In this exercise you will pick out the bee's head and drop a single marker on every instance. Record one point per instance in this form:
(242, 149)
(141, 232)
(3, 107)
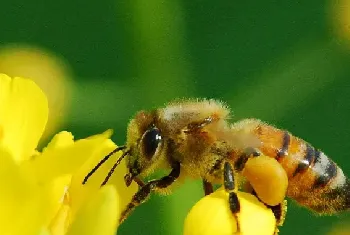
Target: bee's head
(145, 144)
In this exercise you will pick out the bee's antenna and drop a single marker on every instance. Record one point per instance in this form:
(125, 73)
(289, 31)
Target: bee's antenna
(103, 161)
(113, 168)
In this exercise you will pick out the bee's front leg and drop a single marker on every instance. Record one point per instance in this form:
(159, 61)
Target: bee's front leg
(143, 194)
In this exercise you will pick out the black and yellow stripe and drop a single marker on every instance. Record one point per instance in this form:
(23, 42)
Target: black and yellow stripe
(315, 181)
(283, 151)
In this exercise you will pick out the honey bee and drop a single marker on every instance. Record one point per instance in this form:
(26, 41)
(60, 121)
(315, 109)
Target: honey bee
(194, 138)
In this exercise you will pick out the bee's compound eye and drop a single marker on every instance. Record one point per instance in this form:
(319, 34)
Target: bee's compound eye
(151, 140)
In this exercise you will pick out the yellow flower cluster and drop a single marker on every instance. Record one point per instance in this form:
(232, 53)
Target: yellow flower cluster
(42, 192)
(211, 215)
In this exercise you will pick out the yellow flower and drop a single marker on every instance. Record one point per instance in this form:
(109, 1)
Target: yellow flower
(41, 193)
(49, 71)
(212, 215)
(341, 228)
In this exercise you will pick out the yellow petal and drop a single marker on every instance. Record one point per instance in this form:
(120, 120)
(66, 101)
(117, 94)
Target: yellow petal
(63, 156)
(211, 215)
(98, 216)
(61, 221)
(79, 192)
(57, 191)
(44, 231)
(24, 112)
(49, 71)
(60, 140)
(23, 205)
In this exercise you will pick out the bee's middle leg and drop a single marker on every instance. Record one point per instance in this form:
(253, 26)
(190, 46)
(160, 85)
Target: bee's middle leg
(231, 187)
(244, 157)
(144, 192)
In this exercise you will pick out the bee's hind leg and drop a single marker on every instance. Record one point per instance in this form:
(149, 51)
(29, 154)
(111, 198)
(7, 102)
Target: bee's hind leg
(279, 211)
(231, 187)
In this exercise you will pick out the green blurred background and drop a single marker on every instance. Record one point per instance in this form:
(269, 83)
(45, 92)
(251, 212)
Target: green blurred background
(286, 62)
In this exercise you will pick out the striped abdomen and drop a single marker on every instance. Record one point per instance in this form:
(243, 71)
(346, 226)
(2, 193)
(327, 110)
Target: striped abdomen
(315, 181)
